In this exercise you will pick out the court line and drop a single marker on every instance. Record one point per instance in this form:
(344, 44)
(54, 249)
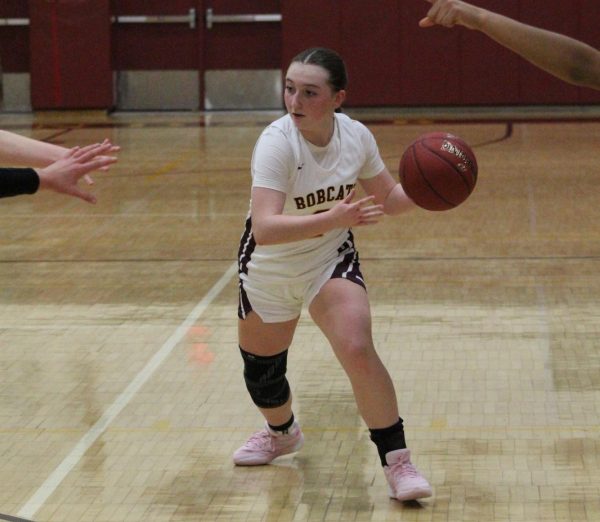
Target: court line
(48, 139)
(399, 259)
(38, 499)
(12, 519)
(316, 429)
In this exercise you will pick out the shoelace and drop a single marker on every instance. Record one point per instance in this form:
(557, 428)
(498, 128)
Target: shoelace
(260, 439)
(405, 468)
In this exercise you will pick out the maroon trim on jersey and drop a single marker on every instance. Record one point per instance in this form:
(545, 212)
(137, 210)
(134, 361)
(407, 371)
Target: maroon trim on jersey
(247, 246)
(349, 267)
(244, 306)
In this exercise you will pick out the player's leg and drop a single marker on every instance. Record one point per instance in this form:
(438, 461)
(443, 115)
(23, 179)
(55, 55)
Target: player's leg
(264, 351)
(263, 346)
(341, 310)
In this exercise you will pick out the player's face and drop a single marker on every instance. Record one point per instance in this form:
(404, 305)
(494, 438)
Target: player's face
(309, 98)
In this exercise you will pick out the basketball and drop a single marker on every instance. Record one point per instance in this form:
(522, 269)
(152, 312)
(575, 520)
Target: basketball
(438, 171)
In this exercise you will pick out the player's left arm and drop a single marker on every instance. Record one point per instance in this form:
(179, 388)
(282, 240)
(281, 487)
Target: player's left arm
(388, 193)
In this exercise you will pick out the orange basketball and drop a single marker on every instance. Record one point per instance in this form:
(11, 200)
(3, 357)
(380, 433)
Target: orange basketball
(438, 171)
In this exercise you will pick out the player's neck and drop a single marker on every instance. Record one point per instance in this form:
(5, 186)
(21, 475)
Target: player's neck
(321, 136)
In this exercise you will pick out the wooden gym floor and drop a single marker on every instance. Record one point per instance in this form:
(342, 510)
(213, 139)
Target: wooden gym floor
(121, 392)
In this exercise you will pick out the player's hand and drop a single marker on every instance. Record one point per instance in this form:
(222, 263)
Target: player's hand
(449, 13)
(113, 149)
(355, 214)
(63, 175)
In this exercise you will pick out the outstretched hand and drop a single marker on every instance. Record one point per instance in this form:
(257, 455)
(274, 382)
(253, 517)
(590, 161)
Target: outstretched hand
(63, 175)
(113, 149)
(361, 212)
(449, 13)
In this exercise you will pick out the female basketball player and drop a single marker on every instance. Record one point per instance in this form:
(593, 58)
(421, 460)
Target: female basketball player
(298, 248)
(57, 168)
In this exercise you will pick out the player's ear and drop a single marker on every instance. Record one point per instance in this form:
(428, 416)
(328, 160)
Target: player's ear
(339, 98)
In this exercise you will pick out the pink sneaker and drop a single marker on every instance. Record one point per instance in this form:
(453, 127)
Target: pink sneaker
(406, 483)
(266, 445)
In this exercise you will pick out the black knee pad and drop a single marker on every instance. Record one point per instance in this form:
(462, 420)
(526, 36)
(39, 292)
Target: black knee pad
(265, 379)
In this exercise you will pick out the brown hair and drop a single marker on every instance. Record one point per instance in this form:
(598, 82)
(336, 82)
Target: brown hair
(330, 61)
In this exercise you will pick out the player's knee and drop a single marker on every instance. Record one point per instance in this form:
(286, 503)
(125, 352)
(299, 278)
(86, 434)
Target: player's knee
(357, 346)
(357, 356)
(265, 379)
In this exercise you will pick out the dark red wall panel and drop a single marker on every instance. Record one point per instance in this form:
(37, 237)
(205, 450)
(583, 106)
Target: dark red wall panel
(14, 41)
(14, 49)
(429, 59)
(392, 61)
(153, 46)
(70, 54)
(71, 48)
(227, 7)
(370, 43)
(366, 38)
(255, 45)
(589, 32)
(489, 72)
(151, 7)
(14, 9)
(179, 47)
(310, 23)
(252, 46)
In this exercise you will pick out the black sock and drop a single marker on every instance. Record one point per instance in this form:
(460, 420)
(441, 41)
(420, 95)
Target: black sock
(388, 439)
(284, 427)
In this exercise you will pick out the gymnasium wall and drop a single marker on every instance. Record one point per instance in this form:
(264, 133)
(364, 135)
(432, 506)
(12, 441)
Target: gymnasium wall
(392, 61)
(14, 57)
(72, 54)
(69, 57)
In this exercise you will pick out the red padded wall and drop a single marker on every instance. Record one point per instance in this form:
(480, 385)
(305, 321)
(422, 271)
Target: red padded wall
(310, 23)
(490, 73)
(178, 47)
(14, 41)
(70, 54)
(245, 45)
(392, 61)
(368, 40)
(429, 59)
(156, 46)
(370, 43)
(589, 31)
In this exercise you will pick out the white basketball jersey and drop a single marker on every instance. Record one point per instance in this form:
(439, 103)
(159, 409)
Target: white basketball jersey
(314, 179)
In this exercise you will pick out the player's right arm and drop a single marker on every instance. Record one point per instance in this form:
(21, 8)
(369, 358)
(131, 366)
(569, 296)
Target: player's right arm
(270, 226)
(387, 191)
(60, 176)
(564, 57)
(21, 150)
